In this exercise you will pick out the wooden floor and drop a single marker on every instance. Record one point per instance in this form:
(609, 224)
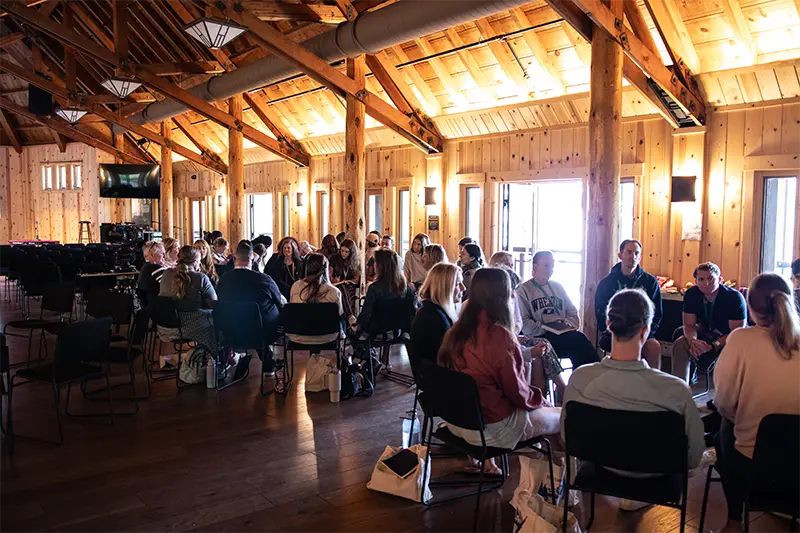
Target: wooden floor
(234, 461)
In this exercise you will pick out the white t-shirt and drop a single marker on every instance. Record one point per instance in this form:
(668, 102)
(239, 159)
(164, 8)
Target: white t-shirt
(327, 294)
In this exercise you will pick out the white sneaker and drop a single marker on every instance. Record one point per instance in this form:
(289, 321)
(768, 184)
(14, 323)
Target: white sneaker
(632, 505)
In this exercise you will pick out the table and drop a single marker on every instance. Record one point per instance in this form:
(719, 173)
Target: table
(30, 241)
(132, 273)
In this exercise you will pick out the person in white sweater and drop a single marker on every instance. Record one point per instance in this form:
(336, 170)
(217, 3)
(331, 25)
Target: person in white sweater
(542, 300)
(315, 288)
(756, 375)
(413, 267)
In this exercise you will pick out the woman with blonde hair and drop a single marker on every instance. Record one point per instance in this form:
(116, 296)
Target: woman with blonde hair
(207, 266)
(413, 267)
(433, 255)
(171, 249)
(756, 375)
(439, 294)
(147, 285)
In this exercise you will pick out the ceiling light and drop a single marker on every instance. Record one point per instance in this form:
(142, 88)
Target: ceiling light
(70, 114)
(120, 87)
(214, 33)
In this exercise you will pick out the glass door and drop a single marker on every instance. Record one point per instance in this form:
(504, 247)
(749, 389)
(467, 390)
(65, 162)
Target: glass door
(198, 211)
(778, 224)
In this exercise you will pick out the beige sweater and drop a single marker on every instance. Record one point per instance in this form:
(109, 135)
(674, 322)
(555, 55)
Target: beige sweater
(327, 294)
(753, 380)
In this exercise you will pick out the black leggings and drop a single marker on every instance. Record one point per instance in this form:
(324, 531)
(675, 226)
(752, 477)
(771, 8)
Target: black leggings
(734, 469)
(575, 345)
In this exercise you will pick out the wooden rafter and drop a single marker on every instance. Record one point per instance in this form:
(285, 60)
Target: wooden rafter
(10, 39)
(441, 70)
(433, 106)
(8, 127)
(197, 139)
(639, 25)
(323, 73)
(258, 105)
(538, 50)
(673, 32)
(67, 130)
(347, 9)
(34, 3)
(120, 18)
(466, 57)
(275, 10)
(738, 22)
(503, 56)
(184, 67)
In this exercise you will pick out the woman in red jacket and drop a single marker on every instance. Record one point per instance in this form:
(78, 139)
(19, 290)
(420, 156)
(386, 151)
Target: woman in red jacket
(482, 344)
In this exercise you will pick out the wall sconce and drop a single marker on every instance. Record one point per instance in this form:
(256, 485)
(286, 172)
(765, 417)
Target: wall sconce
(219, 201)
(430, 195)
(683, 188)
(301, 200)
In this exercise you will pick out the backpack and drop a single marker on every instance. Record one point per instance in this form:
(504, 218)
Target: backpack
(355, 382)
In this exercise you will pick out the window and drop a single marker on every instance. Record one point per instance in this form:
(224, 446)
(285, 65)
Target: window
(374, 211)
(285, 214)
(262, 215)
(627, 198)
(47, 177)
(198, 219)
(77, 175)
(62, 171)
(403, 221)
(62, 176)
(324, 214)
(778, 223)
(472, 225)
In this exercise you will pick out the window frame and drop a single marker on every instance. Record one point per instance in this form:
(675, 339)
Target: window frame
(404, 228)
(464, 203)
(56, 182)
(367, 194)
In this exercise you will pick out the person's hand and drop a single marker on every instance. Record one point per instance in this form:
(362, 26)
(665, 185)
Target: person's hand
(698, 347)
(351, 320)
(538, 350)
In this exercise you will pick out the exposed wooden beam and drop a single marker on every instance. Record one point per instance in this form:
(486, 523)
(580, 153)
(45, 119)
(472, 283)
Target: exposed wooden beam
(197, 139)
(10, 39)
(639, 25)
(235, 182)
(319, 70)
(70, 66)
(538, 49)
(738, 22)
(120, 16)
(93, 28)
(132, 98)
(258, 104)
(274, 10)
(61, 142)
(466, 57)
(503, 56)
(184, 67)
(673, 32)
(5, 121)
(355, 162)
(430, 101)
(34, 3)
(347, 9)
(68, 130)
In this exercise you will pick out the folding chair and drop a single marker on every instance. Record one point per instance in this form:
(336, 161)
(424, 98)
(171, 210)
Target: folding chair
(390, 326)
(239, 328)
(164, 314)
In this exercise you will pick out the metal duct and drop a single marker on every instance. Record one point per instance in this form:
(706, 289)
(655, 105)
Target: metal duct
(369, 33)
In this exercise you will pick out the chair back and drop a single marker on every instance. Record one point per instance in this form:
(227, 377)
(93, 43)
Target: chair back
(139, 328)
(310, 319)
(774, 483)
(58, 297)
(163, 312)
(450, 395)
(239, 325)
(652, 442)
(392, 314)
(82, 341)
(223, 269)
(117, 305)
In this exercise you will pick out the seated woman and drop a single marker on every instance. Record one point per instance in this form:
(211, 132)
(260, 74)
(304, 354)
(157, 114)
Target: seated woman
(439, 294)
(149, 281)
(315, 288)
(261, 256)
(171, 249)
(541, 301)
(329, 247)
(194, 296)
(623, 381)
(220, 248)
(286, 266)
(207, 266)
(413, 266)
(346, 275)
(433, 255)
(372, 244)
(389, 284)
(471, 259)
(483, 345)
(756, 375)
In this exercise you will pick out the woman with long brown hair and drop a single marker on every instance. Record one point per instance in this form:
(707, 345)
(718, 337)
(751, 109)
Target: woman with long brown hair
(329, 247)
(315, 288)
(207, 266)
(413, 267)
(756, 375)
(346, 274)
(286, 266)
(389, 284)
(483, 345)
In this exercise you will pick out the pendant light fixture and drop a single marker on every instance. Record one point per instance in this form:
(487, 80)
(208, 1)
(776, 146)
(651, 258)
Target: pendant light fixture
(120, 87)
(70, 114)
(214, 33)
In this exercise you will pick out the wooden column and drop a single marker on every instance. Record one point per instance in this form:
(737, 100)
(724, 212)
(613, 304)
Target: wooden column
(602, 192)
(118, 204)
(355, 162)
(165, 201)
(433, 178)
(235, 185)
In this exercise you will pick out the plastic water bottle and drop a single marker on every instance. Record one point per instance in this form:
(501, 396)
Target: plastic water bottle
(211, 373)
(410, 434)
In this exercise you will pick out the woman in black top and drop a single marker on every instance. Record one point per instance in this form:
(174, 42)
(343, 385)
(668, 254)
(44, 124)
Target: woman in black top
(441, 290)
(346, 274)
(286, 266)
(471, 258)
(389, 284)
(149, 283)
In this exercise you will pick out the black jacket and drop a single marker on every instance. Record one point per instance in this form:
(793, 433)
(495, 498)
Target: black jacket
(245, 285)
(379, 291)
(427, 331)
(615, 282)
(279, 272)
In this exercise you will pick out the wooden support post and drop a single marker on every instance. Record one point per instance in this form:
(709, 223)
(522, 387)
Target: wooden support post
(118, 204)
(605, 137)
(165, 201)
(236, 200)
(355, 162)
(434, 171)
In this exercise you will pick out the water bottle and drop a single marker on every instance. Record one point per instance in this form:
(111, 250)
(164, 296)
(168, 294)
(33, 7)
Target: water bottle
(411, 429)
(211, 373)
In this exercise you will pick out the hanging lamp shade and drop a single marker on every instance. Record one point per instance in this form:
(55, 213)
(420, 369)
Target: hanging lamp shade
(214, 33)
(120, 87)
(70, 114)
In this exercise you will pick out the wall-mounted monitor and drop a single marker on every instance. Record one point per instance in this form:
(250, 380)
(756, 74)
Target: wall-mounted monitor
(130, 181)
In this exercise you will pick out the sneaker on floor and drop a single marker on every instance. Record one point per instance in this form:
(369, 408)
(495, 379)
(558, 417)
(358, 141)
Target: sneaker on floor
(632, 505)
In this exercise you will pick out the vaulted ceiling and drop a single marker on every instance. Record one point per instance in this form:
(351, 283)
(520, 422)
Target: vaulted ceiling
(518, 69)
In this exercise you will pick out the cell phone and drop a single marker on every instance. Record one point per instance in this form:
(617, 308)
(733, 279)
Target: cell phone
(402, 463)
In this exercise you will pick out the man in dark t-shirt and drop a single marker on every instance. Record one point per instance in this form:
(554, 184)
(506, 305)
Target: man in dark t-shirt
(710, 312)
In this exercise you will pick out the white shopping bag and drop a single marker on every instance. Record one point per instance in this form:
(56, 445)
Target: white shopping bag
(533, 513)
(410, 486)
(317, 370)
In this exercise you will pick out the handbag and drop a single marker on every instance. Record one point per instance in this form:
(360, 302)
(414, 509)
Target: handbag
(534, 514)
(355, 382)
(193, 367)
(317, 370)
(411, 487)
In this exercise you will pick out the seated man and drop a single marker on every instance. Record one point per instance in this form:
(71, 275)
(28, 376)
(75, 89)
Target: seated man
(710, 312)
(242, 284)
(628, 274)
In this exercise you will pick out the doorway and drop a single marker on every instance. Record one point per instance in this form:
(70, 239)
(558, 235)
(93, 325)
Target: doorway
(198, 208)
(262, 215)
(545, 216)
(780, 201)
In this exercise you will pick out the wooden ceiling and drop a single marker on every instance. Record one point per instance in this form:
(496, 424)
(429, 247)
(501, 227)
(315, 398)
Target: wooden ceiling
(744, 51)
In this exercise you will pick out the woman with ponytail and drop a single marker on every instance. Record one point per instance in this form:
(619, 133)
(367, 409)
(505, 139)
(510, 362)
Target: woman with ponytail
(315, 288)
(756, 375)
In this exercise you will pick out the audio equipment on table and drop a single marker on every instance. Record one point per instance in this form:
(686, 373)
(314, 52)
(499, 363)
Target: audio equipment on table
(125, 233)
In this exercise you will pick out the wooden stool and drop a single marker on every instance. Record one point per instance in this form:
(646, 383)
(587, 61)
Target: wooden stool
(85, 231)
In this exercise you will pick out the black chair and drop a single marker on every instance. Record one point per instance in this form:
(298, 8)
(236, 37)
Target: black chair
(164, 314)
(76, 342)
(643, 442)
(239, 328)
(309, 319)
(453, 396)
(117, 305)
(5, 369)
(773, 484)
(34, 278)
(56, 298)
(390, 325)
(706, 369)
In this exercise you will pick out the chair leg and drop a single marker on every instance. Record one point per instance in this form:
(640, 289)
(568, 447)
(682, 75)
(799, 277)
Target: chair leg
(478, 498)
(413, 415)
(705, 498)
(746, 517)
(591, 513)
(683, 513)
(566, 498)
(552, 477)
(56, 400)
(110, 400)
(426, 473)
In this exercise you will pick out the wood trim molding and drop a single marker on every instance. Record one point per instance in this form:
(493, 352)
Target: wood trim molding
(626, 171)
(772, 162)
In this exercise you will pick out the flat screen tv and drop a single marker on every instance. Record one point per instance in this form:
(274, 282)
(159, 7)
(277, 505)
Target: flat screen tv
(130, 181)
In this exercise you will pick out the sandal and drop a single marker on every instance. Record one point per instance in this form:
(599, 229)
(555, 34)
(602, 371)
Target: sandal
(476, 470)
